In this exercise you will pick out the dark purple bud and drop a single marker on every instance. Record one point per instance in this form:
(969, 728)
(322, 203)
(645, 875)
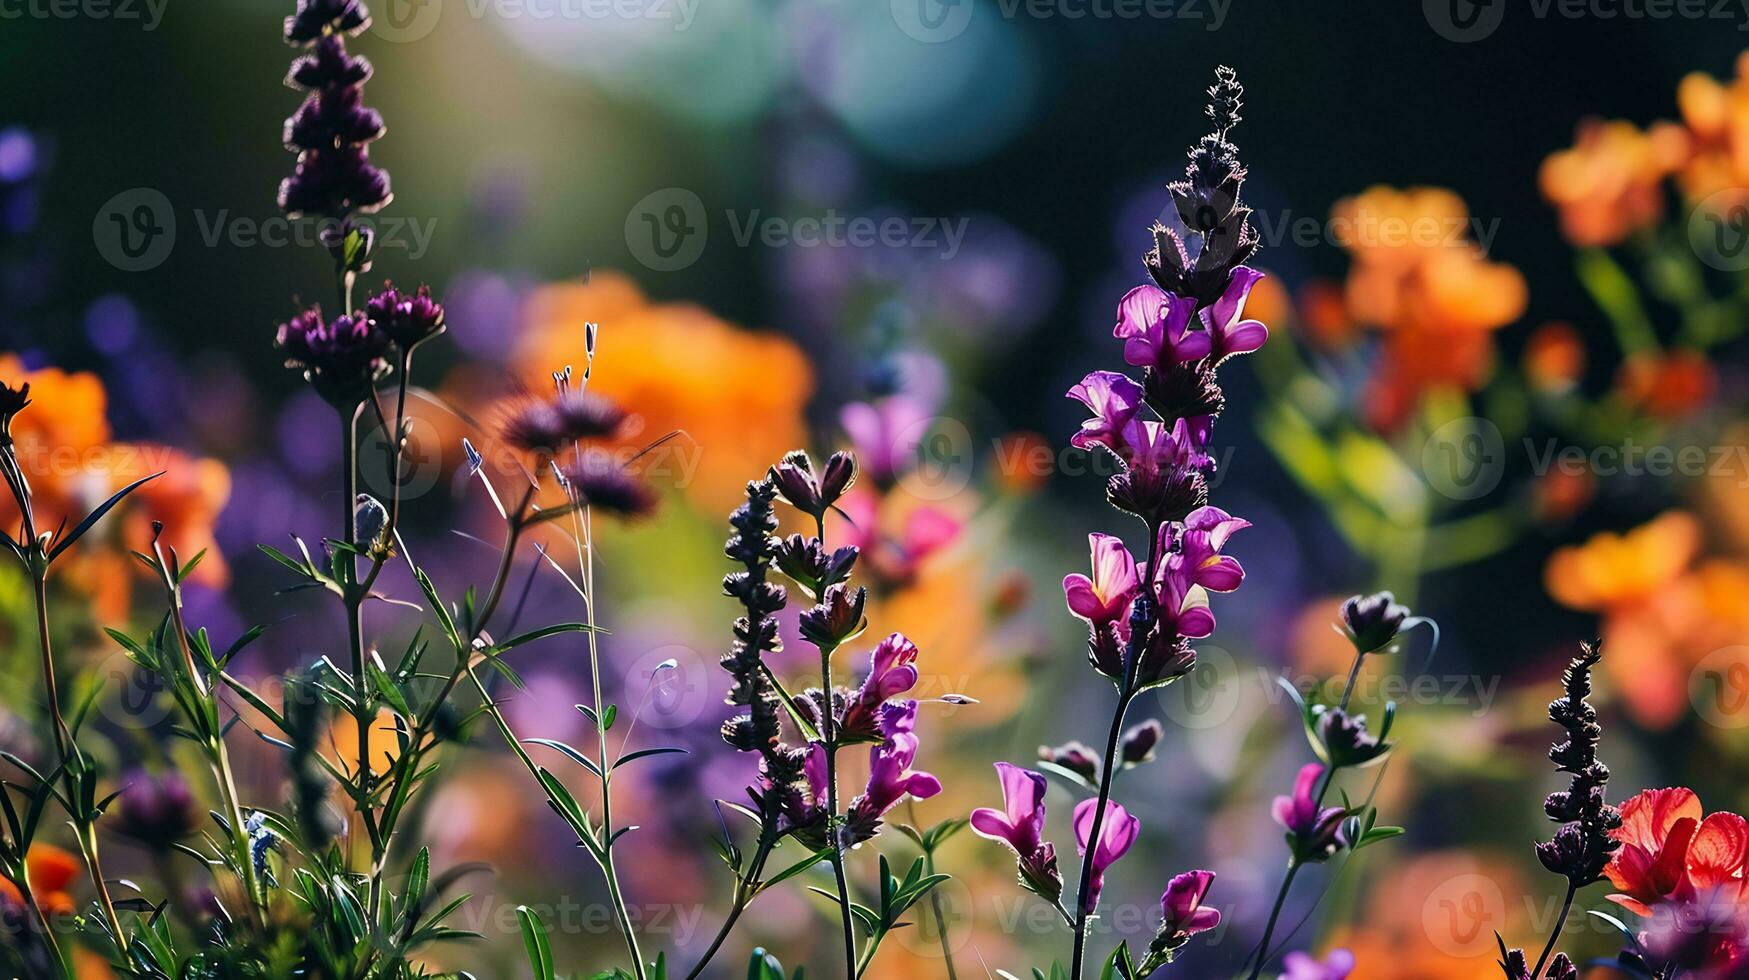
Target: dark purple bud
(342, 360)
(408, 319)
(1139, 742)
(598, 482)
(328, 66)
(1073, 756)
(794, 480)
(157, 811)
(1346, 739)
(804, 560)
(319, 18)
(1373, 621)
(12, 401)
(839, 476)
(334, 183)
(552, 425)
(837, 618)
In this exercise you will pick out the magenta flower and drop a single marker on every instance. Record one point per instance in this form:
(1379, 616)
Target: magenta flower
(1228, 334)
(885, 434)
(1020, 824)
(1155, 327)
(1205, 533)
(1182, 914)
(1116, 834)
(1154, 449)
(890, 776)
(1114, 399)
(1313, 828)
(1336, 966)
(1104, 598)
(892, 671)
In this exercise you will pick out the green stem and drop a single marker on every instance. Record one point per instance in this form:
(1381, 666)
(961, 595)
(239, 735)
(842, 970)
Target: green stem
(829, 739)
(1555, 936)
(1105, 776)
(745, 891)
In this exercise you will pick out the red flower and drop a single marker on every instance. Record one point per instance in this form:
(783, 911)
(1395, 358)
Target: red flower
(1670, 852)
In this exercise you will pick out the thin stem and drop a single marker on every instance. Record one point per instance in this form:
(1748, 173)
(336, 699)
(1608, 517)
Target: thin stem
(48, 928)
(940, 920)
(1287, 882)
(745, 891)
(1555, 936)
(829, 738)
(66, 750)
(1105, 777)
(1139, 630)
(586, 544)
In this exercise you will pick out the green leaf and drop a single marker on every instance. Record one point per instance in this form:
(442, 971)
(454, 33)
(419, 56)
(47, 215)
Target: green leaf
(567, 751)
(643, 753)
(534, 940)
(97, 515)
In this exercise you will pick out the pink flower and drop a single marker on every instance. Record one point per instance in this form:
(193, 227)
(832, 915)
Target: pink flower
(1182, 913)
(885, 433)
(890, 776)
(1117, 833)
(1314, 828)
(1155, 327)
(1228, 334)
(892, 671)
(1106, 596)
(1020, 824)
(1206, 531)
(1336, 966)
(1113, 399)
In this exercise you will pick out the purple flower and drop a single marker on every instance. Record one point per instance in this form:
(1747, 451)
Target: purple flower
(885, 434)
(1335, 966)
(890, 776)
(1114, 400)
(1204, 534)
(408, 319)
(1182, 913)
(157, 811)
(598, 482)
(1228, 334)
(1155, 327)
(551, 425)
(1314, 828)
(892, 671)
(1151, 448)
(341, 359)
(1117, 832)
(1105, 597)
(319, 18)
(1020, 824)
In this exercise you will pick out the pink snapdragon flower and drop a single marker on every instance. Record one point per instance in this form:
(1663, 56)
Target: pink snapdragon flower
(890, 776)
(1105, 597)
(1228, 333)
(892, 671)
(1020, 824)
(1313, 827)
(1114, 399)
(1116, 835)
(1155, 328)
(1204, 534)
(1182, 914)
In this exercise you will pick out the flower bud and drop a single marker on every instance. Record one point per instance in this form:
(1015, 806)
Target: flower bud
(1073, 756)
(1372, 622)
(1139, 742)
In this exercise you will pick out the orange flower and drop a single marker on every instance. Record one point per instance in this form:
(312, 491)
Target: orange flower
(1608, 184)
(1554, 357)
(51, 871)
(1670, 386)
(737, 395)
(1419, 278)
(1324, 318)
(1669, 852)
(1611, 571)
(385, 744)
(1661, 618)
(1717, 117)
